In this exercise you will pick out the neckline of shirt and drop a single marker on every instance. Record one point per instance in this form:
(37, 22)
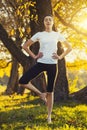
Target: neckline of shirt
(49, 32)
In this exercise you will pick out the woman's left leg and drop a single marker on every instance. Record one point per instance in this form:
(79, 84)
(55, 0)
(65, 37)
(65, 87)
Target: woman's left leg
(50, 101)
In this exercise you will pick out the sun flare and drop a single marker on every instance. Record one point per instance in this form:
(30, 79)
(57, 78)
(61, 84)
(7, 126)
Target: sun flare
(83, 24)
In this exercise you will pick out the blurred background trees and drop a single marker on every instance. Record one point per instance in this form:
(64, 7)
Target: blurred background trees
(21, 19)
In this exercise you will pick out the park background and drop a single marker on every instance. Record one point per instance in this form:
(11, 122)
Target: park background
(21, 109)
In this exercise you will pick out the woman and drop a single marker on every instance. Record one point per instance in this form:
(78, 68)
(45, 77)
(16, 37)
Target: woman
(47, 59)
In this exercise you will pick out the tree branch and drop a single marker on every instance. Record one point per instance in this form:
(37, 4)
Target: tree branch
(12, 47)
(2, 67)
(69, 25)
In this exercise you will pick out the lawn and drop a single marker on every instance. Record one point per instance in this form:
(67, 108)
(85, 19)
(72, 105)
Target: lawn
(29, 113)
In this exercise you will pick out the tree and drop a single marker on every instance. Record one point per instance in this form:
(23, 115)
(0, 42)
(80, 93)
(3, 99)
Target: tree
(80, 96)
(39, 11)
(12, 85)
(40, 19)
(61, 89)
(12, 9)
(36, 24)
(9, 44)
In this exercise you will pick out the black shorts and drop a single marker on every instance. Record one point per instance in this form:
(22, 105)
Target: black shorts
(51, 71)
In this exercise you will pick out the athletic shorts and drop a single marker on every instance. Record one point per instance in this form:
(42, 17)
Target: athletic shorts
(51, 71)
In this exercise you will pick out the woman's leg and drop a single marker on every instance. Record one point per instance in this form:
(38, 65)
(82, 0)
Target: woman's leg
(51, 76)
(28, 76)
(31, 87)
(50, 100)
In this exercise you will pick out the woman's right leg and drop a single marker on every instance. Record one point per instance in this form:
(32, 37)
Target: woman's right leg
(31, 87)
(28, 76)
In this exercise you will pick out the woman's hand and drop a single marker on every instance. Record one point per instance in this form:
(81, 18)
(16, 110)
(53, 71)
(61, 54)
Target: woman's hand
(39, 55)
(55, 56)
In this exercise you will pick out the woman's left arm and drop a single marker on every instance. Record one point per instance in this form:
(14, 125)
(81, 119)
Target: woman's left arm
(69, 48)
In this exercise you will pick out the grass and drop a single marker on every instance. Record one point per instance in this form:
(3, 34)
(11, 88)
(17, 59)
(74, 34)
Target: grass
(29, 113)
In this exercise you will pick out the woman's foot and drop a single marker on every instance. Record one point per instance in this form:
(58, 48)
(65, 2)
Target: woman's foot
(49, 120)
(43, 97)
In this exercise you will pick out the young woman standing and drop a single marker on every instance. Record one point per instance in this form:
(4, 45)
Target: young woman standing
(47, 60)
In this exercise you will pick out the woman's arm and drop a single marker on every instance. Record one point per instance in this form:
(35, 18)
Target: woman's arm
(69, 48)
(26, 47)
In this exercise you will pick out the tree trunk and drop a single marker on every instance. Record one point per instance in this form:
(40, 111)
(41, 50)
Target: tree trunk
(43, 8)
(61, 89)
(13, 48)
(13, 80)
(80, 95)
(12, 85)
(16, 52)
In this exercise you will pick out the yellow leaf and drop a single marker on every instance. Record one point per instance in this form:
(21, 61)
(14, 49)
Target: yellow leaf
(18, 12)
(25, 5)
(21, 34)
(1, 73)
(12, 32)
(28, 30)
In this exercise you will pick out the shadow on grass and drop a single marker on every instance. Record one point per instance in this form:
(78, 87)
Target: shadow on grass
(20, 116)
(70, 103)
(31, 113)
(27, 113)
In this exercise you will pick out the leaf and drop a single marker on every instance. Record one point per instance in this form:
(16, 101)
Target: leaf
(18, 12)
(12, 32)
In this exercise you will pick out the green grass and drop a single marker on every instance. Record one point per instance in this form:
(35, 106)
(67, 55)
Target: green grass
(29, 113)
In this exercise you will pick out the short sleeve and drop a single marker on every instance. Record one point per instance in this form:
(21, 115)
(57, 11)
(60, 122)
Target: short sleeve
(35, 37)
(61, 38)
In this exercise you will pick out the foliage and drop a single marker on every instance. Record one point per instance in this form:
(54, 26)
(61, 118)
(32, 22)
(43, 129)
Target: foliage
(6, 70)
(27, 112)
(71, 19)
(77, 73)
(72, 13)
(17, 14)
(78, 64)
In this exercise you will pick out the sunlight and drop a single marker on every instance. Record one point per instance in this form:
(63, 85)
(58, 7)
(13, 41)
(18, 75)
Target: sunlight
(82, 18)
(83, 24)
(74, 55)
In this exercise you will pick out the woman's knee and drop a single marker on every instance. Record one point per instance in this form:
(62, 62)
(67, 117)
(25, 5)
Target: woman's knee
(22, 85)
(49, 93)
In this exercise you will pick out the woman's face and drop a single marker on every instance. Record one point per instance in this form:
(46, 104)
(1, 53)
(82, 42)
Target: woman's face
(48, 22)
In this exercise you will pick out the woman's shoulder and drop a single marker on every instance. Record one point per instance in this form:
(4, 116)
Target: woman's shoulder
(56, 32)
(40, 32)
(37, 34)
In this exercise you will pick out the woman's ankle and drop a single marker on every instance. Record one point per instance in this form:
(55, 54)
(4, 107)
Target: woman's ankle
(49, 119)
(43, 97)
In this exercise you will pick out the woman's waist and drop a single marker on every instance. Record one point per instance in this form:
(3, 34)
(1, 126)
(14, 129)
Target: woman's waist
(48, 54)
(47, 59)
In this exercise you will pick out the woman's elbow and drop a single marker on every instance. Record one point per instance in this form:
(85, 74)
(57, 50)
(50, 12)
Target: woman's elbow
(27, 44)
(24, 47)
(69, 47)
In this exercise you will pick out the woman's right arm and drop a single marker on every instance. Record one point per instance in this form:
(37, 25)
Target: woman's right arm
(26, 47)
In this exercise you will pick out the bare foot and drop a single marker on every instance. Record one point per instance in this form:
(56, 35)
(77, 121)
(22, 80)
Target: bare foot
(49, 120)
(43, 97)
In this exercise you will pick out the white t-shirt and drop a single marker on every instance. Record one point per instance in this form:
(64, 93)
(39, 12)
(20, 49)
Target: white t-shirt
(48, 45)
